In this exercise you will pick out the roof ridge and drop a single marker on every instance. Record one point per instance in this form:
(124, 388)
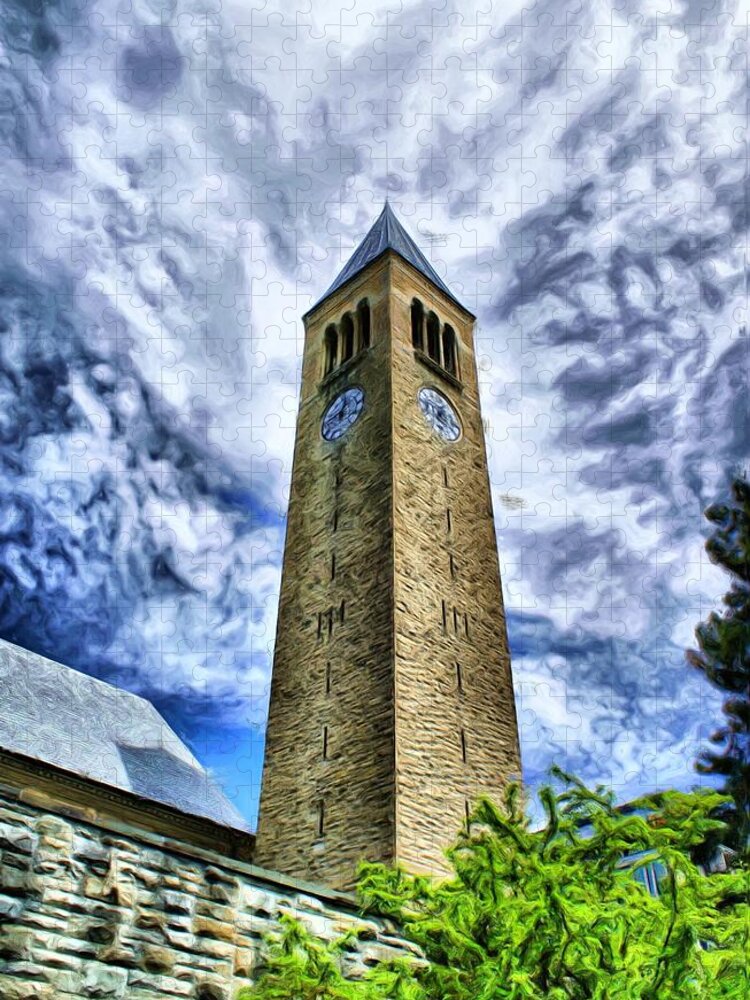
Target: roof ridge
(91, 679)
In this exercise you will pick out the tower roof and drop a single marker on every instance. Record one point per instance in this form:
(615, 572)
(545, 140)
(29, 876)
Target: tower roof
(387, 233)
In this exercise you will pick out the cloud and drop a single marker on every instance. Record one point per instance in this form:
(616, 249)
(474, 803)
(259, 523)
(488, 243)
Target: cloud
(177, 193)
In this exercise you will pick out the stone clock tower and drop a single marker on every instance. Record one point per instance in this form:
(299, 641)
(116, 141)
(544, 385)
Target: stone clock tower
(391, 700)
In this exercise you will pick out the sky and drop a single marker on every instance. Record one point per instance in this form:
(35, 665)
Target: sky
(181, 181)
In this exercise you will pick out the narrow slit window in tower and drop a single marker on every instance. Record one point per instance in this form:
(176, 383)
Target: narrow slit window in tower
(452, 563)
(466, 811)
(330, 621)
(448, 518)
(455, 620)
(463, 746)
(342, 610)
(363, 316)
(445, 616)
(459, 678)
(321, 818)
(328, 677)
(417, 325)
(347, 336)
(466, 624)
(320, 623)
(325, 743)
(333, 565)
(445, 476)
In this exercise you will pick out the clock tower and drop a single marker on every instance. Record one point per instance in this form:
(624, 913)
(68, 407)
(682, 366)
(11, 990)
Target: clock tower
(391, 699)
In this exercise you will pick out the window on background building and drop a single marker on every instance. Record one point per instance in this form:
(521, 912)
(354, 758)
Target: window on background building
(649, 874)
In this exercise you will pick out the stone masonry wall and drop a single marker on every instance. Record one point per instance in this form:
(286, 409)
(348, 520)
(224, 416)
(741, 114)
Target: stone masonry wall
(385, 726)
(336, 680)
(457, 733)
(87, 911)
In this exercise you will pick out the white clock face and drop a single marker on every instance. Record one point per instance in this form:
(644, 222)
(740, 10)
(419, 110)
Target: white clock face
(439, 414)
(342, 413)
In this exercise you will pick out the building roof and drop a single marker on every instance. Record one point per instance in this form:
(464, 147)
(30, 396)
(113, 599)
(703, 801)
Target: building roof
(62, 717)
(387, 233)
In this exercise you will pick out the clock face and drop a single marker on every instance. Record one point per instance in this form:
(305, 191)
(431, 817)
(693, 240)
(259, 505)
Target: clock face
(439, 414)
(342, 413)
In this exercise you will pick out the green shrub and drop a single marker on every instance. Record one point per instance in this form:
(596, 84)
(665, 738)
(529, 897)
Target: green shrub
(548, 914)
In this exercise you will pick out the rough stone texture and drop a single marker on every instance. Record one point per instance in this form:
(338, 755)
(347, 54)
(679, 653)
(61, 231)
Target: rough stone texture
(340, 503)
(87, 911)
(394, 783)
(434, 785)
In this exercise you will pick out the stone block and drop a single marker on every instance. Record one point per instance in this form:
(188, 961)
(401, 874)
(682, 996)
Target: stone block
(217, 929)
(212, 989)
(103, 981)
(179, 939)
(224, 893)
(16, 838)
(10, 907)
(155, 958)
(177, 902)
(245, 960)
(150, 919)
(159, 985)
(101, 931)
(13, 988)
(198, 964)
(216, 911)
(88, 849)
(54, 832)
(20, 883)
(212, 948)
(15, 943)
(119, 953)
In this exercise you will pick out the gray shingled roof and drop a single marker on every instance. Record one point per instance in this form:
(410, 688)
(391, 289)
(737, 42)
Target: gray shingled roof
(60, 716)
(387, 233)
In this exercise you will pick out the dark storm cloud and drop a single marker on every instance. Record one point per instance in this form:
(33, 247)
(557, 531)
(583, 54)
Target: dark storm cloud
(70, 577)
(149, 69)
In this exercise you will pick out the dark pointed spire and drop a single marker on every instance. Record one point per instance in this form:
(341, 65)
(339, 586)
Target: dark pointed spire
(387, 233)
